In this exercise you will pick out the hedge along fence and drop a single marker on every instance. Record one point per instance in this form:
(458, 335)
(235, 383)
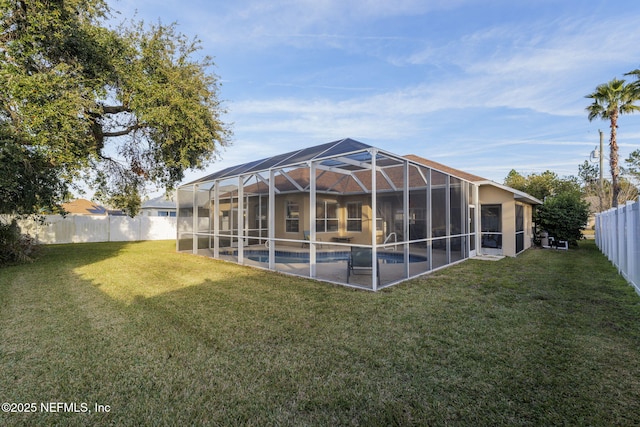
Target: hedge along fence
(618, 237)
(85, 228)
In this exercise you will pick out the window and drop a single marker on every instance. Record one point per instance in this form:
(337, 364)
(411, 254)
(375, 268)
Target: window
(326, 216)
(519, 218)
(292, 219)
(260, 219)
(519, 228)
(225, 220)
(354, 216)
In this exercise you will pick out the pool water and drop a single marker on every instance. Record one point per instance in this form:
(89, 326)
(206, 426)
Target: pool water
(283, 257)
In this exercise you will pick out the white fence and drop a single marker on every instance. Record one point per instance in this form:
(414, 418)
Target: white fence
(84, 228)
(618, 237)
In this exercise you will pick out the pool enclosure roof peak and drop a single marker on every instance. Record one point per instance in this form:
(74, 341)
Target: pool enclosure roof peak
(331, 149)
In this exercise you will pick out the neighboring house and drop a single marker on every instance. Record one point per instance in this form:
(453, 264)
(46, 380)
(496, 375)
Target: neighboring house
(84, 207)
(309, 211)
(159, 206)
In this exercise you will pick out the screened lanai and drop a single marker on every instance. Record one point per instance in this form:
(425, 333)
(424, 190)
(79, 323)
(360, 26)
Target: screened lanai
(342, 212)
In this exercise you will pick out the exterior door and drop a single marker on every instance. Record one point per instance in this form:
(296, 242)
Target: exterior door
(491, 228)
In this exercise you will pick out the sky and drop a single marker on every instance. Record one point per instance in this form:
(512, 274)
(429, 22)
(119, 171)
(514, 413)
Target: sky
(485, 86)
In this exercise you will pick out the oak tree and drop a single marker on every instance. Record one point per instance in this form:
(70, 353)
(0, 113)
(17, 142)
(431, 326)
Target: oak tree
(121, 107)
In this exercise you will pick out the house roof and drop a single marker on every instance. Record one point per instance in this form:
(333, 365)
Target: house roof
(160, 202)
(83, 207)
(517, 194)
(444, 168)
(344, 170)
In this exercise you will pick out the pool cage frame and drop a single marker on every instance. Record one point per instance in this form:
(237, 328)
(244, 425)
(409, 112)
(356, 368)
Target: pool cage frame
(305, 213)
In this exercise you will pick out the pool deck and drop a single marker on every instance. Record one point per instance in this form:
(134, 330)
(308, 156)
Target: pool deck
(334, 271)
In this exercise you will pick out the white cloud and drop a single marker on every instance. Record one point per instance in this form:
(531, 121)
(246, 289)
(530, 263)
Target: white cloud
(298, 22)
(540, 66)
(435, 90)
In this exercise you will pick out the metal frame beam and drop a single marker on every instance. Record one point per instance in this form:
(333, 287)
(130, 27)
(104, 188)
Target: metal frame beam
(374, 223)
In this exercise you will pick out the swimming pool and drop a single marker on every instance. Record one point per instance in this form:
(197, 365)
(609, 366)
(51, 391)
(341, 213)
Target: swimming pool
(287, 257)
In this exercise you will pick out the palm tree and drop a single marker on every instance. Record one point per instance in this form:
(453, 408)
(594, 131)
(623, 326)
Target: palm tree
(636, 84)
(609, 101)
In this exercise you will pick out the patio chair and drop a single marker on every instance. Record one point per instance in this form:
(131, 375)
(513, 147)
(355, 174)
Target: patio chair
(307, 238)
(360, 260)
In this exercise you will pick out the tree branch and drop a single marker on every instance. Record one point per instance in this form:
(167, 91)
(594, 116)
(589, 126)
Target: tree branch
(115, 109)
(122, 132)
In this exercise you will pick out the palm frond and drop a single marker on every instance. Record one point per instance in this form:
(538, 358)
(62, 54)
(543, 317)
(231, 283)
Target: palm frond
(613, 97)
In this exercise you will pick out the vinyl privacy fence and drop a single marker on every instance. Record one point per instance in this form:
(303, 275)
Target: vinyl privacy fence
(82, 228)
(618, 237)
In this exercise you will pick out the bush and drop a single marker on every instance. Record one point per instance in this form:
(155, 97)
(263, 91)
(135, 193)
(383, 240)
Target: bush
(564, 217)
(15, 247)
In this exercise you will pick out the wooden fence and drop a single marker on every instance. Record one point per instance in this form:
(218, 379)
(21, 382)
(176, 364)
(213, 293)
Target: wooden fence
(618, 237)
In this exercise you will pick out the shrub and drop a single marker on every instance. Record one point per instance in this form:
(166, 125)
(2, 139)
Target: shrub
(564, 217)
(15, 247)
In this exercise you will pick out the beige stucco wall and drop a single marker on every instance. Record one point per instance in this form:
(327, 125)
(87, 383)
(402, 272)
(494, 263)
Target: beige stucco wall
(490, 195)
(487, 195)
(363, 237)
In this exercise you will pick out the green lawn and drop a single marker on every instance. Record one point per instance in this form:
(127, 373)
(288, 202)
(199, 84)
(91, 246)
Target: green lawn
(548, 338)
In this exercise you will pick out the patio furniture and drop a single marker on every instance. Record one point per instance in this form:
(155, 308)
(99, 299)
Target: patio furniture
(342, 239)
(307, 238)
(360, 260)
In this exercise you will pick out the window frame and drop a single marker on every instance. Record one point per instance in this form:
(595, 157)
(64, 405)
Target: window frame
(519, 226)
(289, 219)
(354, 220)
(324, 220)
